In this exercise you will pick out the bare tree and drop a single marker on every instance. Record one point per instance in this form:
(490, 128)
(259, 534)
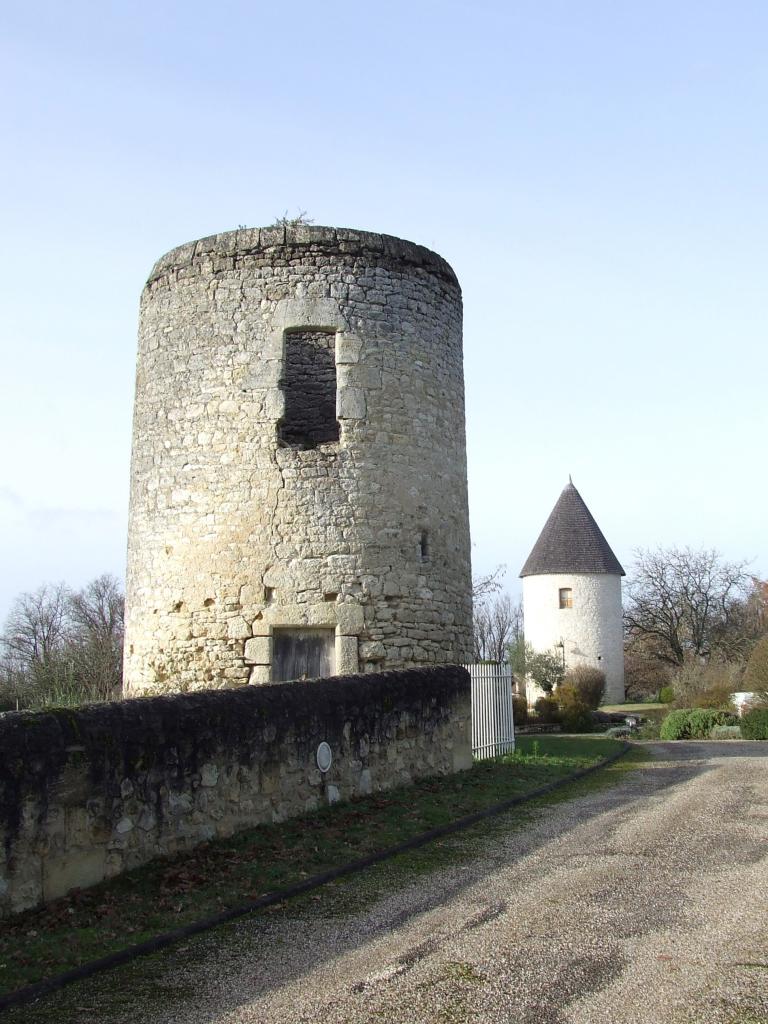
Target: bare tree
(97, 620)
(747, 622)
(490, 583)
(498, 623)
(682, 602)
(98, 610)
(36, 628)
(63, 647)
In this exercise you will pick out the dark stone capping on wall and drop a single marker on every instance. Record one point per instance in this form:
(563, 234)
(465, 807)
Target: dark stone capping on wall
(257, 241)
(89, 792)
(131, 734)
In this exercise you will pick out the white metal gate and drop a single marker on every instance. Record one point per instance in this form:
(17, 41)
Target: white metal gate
(493, 727)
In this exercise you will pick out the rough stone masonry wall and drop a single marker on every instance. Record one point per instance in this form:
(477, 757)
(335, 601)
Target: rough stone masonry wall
(233, 531)
(90, 793)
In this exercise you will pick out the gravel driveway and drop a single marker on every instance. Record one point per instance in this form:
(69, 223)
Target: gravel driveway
(644, 903)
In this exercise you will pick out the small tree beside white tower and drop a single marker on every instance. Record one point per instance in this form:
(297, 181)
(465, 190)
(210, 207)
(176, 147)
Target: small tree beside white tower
(572, 595)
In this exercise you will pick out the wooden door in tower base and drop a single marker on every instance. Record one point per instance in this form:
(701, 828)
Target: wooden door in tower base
(302, 654)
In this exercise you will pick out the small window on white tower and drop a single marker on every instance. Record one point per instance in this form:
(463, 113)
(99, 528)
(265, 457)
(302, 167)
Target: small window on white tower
(566, 597)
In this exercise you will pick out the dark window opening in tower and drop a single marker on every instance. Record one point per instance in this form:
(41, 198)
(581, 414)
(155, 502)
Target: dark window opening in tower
(424, 546)
(309, 385)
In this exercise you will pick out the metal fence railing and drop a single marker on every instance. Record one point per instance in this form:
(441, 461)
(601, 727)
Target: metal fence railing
(493, 726)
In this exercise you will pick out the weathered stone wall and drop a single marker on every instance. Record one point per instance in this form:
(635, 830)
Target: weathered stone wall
(592, 630)
(87, 794)
(234, 530)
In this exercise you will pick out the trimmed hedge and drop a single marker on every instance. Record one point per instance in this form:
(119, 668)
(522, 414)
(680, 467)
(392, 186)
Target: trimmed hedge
(754, 724)
(694, 723)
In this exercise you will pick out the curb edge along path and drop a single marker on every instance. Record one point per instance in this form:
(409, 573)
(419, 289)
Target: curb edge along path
(642, 903)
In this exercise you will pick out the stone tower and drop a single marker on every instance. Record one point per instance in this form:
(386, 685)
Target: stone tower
(298, 479)
(572, 594)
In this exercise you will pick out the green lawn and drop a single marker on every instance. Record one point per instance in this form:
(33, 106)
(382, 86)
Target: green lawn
(635, 708)
(168, 893)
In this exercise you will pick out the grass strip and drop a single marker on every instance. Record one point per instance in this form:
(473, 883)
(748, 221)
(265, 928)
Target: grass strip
(632, 709)
(258, 868)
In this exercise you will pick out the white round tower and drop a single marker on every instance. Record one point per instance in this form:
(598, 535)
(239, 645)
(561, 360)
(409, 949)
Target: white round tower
(572, 595)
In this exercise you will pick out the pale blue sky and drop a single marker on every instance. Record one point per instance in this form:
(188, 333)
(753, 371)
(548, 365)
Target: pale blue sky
(595, 173)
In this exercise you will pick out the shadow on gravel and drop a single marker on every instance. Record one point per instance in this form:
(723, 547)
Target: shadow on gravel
(268, 950)
(692, 750)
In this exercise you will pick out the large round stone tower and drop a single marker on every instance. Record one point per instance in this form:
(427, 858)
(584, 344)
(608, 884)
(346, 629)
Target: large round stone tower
(572, 594)
(298, 483)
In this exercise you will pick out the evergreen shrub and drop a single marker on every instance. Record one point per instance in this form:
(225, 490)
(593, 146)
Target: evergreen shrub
(754, 724)
(519, 709)
(674, 726)
(547, 710)
(575, 711)
(694, 723)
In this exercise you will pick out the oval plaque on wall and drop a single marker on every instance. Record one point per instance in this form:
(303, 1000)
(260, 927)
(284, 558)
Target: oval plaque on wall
(324, 757)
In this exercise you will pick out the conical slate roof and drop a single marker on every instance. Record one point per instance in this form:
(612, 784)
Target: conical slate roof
(571, 541)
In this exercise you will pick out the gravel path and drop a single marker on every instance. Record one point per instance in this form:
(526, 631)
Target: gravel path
(641, 903)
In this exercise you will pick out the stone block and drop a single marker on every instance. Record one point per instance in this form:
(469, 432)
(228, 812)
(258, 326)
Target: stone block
(274, 404)
(362, 375)
(273, 346)
(350, 618)
(348, 348)
(287, 615)
(342, 564)
(271, 236)
(372, 650)
(260, 674)
(346, 655)
(264, 373)
(350, 404)
(147, 820)
(247, 238)
(309, 311)
(276, 576)
(60, 876)
(321, 614)
(258, 650)
(250, 595)
(238, 628)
